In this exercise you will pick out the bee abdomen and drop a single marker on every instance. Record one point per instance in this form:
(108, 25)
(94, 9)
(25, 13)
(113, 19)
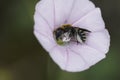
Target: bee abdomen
(83, 33)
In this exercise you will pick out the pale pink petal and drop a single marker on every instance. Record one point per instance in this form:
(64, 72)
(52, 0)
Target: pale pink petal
(68, 60)
(41, 26)
(89, 55)
(75, 62)
(43, 32)
(79, 9)
(58, 54)
(62, 11)
(92, 21)
(99, 41)
(45, 8)
(47, 42)
(76, 58)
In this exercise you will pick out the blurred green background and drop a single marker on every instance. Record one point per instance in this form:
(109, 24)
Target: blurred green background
(22, 57)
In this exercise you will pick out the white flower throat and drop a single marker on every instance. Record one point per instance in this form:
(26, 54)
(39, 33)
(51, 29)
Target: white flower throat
(67, 33)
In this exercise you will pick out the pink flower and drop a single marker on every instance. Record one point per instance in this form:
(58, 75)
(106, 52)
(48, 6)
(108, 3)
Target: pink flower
(51, 14)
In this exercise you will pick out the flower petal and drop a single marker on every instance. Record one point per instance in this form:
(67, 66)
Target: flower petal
(41, 25)
(92, 21)
(46, 10)
(99, 41)
(75, 62)
(43, 32)
(47, 42)
(58, 54)
(79, 9)
(62, 11)
(76, 58)
(89, 55)
(68, 60)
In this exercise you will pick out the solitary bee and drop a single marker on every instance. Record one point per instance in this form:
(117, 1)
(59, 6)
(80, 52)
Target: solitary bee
(67, 33)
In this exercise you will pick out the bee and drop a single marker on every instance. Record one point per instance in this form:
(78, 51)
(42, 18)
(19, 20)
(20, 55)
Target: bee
(67, 33)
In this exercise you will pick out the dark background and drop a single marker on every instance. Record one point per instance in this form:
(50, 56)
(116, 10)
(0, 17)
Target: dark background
(23, 58)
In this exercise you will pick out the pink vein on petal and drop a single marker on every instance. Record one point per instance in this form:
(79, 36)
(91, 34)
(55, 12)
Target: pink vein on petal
(53, 47)
(45, 20)
(93, 48)
(54, 12)
(67, 58)
(80, 56)
(71, 9)
(83, 17)
(42, 34)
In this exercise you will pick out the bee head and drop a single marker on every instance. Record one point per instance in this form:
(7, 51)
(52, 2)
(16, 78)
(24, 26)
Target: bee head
(62, 35)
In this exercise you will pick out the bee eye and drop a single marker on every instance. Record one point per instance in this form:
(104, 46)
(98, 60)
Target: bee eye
(58, 33)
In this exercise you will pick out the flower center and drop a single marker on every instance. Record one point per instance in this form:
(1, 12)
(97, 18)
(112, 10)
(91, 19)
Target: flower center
(67, 33)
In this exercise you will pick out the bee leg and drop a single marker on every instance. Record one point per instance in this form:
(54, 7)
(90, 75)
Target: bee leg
(77, 42)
